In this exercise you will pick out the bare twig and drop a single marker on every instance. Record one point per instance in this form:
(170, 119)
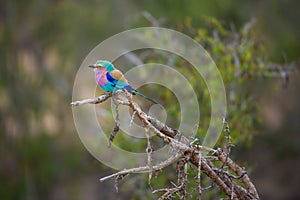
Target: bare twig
(207, 187)
(132, 118)
(228, 173)
(199, 176)
(117, 179)
(97, 100)
(182, 175)
(195, 128)
(150, 19)
(232, 193)
(117, 126)
(168, 192)
(228, 145)
(149, 151)
(143, 169)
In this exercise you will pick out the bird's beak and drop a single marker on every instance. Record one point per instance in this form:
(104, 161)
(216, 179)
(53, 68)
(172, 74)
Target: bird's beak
(93, 66)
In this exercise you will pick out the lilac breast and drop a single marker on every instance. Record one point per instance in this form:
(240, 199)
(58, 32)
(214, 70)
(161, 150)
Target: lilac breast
(100, 77)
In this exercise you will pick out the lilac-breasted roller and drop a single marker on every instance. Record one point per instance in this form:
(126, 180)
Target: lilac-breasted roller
(110, 79)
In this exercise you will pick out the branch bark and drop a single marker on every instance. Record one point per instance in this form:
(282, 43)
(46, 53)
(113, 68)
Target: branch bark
(222, 177)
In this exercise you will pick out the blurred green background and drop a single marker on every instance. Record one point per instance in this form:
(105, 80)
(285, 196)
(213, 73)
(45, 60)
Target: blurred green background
(43, 42)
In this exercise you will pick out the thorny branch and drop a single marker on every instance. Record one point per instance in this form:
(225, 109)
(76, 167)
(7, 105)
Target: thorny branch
(117, 126)
(228, 145)
(125, 172)
(149, 151)
(187, 152)
(199, 176)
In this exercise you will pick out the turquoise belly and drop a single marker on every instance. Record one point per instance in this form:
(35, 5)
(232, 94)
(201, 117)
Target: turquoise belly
(112, 87)
(108, 87)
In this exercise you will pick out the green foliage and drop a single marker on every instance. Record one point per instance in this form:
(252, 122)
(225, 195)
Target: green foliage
(239, 57)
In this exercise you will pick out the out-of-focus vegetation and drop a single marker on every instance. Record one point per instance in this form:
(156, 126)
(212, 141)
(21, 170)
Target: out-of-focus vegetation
(42, 44)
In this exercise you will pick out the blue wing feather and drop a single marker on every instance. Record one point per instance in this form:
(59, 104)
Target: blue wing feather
(122, 85)
(110, 78)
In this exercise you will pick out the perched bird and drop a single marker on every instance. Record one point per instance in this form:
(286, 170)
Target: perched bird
(110, 79)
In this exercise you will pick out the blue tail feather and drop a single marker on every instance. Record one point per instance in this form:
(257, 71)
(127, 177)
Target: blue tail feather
(133, 91)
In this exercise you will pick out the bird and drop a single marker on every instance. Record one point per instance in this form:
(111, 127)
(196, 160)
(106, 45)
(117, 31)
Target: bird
(111, 79)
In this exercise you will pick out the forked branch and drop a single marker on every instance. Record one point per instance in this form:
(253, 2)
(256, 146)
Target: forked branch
(225, 177)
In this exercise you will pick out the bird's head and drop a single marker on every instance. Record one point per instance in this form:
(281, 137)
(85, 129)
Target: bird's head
(103, 63)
